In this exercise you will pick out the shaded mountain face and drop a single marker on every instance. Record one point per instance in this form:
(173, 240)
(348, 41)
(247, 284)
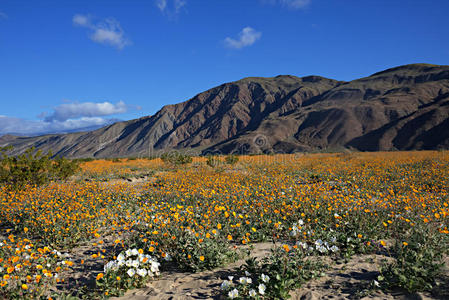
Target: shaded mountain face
(401, 108)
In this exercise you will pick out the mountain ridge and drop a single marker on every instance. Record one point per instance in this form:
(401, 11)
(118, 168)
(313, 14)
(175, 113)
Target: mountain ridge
(405, 107)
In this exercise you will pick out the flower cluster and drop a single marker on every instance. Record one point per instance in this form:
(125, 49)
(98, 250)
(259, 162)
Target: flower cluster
(135, 262)
(245, 287)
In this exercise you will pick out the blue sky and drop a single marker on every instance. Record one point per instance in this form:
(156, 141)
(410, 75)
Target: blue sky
(73, 64)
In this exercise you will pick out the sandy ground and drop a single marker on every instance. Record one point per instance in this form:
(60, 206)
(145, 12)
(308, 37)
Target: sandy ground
(349, 280)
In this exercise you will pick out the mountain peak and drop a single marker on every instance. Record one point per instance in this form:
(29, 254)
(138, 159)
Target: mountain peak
(412, 69)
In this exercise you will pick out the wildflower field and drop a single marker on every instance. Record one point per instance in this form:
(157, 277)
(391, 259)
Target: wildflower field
(118, 225)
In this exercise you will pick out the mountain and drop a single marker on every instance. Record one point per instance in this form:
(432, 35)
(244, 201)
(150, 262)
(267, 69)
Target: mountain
(402, 108)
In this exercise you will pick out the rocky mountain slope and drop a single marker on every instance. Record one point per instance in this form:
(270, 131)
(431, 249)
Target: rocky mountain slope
(401, 108)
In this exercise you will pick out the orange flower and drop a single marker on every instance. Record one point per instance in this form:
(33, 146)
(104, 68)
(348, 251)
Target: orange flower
(99, 276)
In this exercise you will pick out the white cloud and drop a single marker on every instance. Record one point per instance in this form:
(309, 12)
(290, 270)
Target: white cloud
(67, 111)
(162, 4)
(107, 31)
(67, 117)
(295, 4)
(170, 7)
(17, 126)
(247, 37)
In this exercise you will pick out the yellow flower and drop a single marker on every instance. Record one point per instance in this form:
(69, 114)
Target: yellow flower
(404, 243)
(24, 286)
(202, 258)
(383, 243)
(99, 276)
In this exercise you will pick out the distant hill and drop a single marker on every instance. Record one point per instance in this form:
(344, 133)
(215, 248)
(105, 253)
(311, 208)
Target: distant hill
(402, 108)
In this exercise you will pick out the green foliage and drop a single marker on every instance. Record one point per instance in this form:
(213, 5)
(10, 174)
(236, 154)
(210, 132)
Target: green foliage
(418, 262)
(213, 161)
(34, 168)
(231, 159)
(176, 158)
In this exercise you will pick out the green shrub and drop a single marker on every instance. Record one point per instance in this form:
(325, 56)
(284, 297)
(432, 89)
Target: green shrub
(418, 261)
(176, 158)
(231, 159)
(32, 167)
(273, 277)
(213, 161)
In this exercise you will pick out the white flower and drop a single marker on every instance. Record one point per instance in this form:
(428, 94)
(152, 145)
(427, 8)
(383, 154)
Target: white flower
(155, 266)
(302, 244)
(262, 288)
(135, 263)
(319, 242)
(135, 252)
(245, 280)
(300, 222)
(128, 253)
(322, 249)
(226, 285)
(334, 248)
(265, 278)
(121, 257)
(230, 278)
(167, 257)
(233, 294)
(252, 293)
(142, 272)
(376, 283)
(110, 265)
(129, 262)
(131, 272)
(247, 273)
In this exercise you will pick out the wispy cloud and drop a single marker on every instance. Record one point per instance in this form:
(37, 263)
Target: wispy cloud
(67, 117)
(18, 126)
(171, 7)
(3, 15)
(67, 111)
(247, 37)
(294, 4)
(107, 31)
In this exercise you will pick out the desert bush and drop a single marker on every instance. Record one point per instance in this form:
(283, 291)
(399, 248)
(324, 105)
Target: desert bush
(213, 161)
(231, 159)
(33, 168)
(418, 260)
(176, 158)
